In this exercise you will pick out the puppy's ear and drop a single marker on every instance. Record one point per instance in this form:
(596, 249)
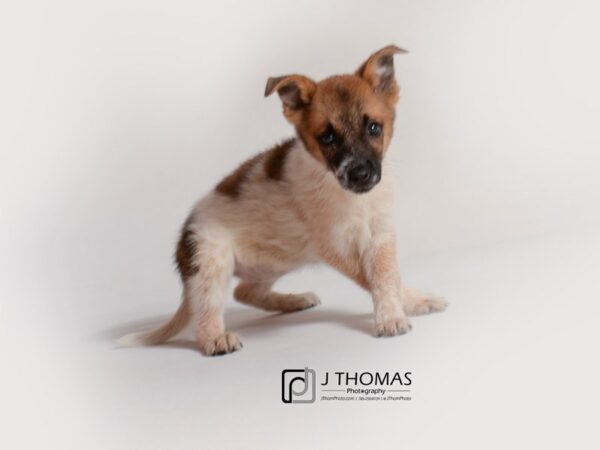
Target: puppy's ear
(378, 71)
(295, 91)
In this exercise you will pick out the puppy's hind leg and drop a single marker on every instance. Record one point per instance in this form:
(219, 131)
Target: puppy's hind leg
(205, 291)
(260, 295)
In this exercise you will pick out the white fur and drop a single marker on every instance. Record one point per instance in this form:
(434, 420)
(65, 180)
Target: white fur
(274, 227)
(131, 340)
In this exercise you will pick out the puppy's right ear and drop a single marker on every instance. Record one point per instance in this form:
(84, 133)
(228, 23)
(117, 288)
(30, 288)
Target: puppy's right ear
(295, 91)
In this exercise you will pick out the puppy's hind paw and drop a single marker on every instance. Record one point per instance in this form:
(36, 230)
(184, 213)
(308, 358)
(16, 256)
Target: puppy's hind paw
(298, 302)
(392, 326)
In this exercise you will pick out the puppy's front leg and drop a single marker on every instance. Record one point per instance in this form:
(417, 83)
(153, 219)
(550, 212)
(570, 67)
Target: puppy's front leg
(380, 269)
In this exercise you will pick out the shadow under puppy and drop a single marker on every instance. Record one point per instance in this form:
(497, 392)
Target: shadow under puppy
(323, 196)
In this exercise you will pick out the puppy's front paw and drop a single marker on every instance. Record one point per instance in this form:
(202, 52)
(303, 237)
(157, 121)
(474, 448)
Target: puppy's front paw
(221, 345)
(392, 326)
(424, 305)
(416, 303)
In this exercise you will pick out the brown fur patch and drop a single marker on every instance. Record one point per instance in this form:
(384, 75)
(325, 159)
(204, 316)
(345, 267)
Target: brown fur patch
(231, 184)
(343, 94)
(343, 101)
(275, 159)
(186, 252)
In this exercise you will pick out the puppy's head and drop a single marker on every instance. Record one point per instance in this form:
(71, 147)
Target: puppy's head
(345, 121)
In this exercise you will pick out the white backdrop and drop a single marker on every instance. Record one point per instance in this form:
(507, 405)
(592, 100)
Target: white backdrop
(117, 115)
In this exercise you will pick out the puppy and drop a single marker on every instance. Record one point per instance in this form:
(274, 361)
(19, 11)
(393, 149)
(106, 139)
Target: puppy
(322, 196)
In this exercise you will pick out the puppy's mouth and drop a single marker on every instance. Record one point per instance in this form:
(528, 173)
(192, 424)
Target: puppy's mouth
(358, 175)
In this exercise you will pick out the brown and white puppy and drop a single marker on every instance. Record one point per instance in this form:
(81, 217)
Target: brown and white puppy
(323, 196)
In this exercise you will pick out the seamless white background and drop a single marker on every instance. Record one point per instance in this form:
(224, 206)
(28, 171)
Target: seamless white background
(117, 115)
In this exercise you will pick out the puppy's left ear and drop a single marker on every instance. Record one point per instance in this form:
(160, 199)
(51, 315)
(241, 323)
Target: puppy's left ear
(378, 71)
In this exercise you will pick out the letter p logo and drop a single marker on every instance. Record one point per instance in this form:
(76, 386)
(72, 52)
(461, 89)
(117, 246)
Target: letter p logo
(298, 386)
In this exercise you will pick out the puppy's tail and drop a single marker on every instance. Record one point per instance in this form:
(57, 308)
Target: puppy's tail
(162, 334)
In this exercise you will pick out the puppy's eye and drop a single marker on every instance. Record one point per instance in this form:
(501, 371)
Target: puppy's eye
(327, 137)
(374, 129)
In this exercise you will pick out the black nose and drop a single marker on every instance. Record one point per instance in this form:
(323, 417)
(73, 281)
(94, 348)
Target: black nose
(360, 173)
